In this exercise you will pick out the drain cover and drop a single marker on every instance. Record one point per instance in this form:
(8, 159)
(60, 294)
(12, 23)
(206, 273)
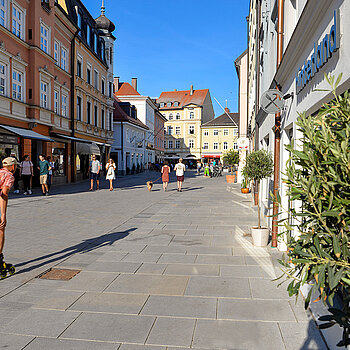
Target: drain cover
(59, 274)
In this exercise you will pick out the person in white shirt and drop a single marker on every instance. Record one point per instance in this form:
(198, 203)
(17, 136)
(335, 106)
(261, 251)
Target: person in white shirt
(26, 172)
(180, 174)
(110, 167)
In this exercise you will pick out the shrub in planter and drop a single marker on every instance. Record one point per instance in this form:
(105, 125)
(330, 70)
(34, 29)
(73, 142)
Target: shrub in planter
(259, 165)
(318, 175)
(231, 158)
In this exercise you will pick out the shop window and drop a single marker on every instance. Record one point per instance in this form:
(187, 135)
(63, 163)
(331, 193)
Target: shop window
(58, 158)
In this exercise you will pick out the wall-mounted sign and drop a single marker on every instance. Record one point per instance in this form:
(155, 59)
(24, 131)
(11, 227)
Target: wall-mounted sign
(272, 101)
(5, 138)
(322, 53)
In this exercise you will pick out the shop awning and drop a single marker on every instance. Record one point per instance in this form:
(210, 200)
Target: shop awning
(72, 138)
(210, 156)
(26, 133)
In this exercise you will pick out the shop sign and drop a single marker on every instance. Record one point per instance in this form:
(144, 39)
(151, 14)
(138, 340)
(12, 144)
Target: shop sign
(4, 138)
(322, 53)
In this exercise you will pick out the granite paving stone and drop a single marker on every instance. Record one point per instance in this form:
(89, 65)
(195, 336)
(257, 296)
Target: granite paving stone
(59, 300)
(172, 331)
(151, 268)
(192, 269)
(142, 257)
(177, 258)
(113, 266)
(220, 259)
(14, 341)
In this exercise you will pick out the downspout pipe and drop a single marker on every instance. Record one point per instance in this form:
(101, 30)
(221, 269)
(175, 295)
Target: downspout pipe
(276, 175)
(72, 99)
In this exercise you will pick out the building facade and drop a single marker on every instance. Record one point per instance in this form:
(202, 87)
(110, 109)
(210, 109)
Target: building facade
(219, 136)
(146, 110)
(129, 145)
(34, 85)
(185, 112)
(159, 121)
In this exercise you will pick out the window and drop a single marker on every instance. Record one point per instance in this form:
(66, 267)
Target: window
(171, 116)
(162, 104)
(177, 143)
(78, 108)
(102, 50)
(206, 132)
(44, 38)
(96, 79)
(169, 104)
(164, 144)
(56, 51)
(64, 55)
(170, 130)
(235, 132)
(216, 132)
(110, 89)
(43, 94)
(56, 95)
(64, 105)
(235, 146)
(225, 132)
(216, 145)
(191, 129)
(176, 104)
(177, 116)
(102, 118)
(88, 112)
(17, 22)
(225, 145)
(96, 116)
(95, 42)
(170, 144)
(191, 115)
(3, 12)
(79, 67)
(79, 19)
(205, 145)
(191, 143)
(103, 83)
(17, 85)
(88, 34)
(88, 74)
(2, 79)
(177, 130)
(110, 120)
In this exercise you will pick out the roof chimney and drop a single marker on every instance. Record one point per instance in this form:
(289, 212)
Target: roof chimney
(116, 84)
(191, 93)
(227, 110)
(134, 83)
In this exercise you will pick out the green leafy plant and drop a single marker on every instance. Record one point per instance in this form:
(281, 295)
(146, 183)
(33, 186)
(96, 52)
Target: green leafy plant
(317, 230)
(231, 158)
(259, 165)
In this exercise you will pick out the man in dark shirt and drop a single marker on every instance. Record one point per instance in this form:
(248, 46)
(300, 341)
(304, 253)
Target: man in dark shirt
(44, 167)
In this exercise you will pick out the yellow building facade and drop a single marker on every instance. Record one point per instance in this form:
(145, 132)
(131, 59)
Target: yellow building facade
(185, 112)
(219, 135)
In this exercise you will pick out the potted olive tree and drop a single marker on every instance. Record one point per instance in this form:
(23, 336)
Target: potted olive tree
(245, 182)
(231, 158)
(259, 165)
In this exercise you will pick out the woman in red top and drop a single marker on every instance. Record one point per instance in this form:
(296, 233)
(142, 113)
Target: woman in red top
(165, 175)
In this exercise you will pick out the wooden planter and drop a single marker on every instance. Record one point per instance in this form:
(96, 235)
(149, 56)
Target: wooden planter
(244, 190)
(230, 179)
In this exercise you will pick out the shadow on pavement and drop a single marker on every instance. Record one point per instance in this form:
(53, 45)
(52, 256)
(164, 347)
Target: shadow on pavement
(314, 338)
(85, 246)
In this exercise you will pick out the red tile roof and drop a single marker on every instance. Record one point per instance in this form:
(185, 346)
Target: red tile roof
(125, 89)
(183, 97)
(120, 116)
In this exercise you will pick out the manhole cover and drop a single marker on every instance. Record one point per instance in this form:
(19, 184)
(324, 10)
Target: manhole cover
(59, 274)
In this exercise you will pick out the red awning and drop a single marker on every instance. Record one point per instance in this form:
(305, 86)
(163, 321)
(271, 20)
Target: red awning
(210, 156)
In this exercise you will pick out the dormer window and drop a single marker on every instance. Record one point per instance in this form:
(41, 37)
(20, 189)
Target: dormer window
(79, 19)
(95, 42)
(168, 104)
(162, 104)
(88, 34)
(176, 104)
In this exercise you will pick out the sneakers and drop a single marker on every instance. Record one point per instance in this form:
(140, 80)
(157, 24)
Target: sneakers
(25, 193)
(30, 192)
(16, 192)
(47, 193)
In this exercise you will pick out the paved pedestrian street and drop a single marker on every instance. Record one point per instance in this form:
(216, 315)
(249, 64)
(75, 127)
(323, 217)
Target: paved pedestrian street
(158, 271)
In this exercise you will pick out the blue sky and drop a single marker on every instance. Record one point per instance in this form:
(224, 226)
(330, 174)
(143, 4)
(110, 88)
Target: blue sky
(172, 44)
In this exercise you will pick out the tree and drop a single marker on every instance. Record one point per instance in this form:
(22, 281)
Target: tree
(231, 158)
(259, 165)
(318, 175)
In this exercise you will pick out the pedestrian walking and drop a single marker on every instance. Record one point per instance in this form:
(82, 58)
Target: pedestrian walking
(94, 169)
(44, 168)
(180, 174)
(199, 166)
(26, 171)
(206, 170)
(7, 180)
(110, 167)
(17, 176)
(165, 175)
(50, 174)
